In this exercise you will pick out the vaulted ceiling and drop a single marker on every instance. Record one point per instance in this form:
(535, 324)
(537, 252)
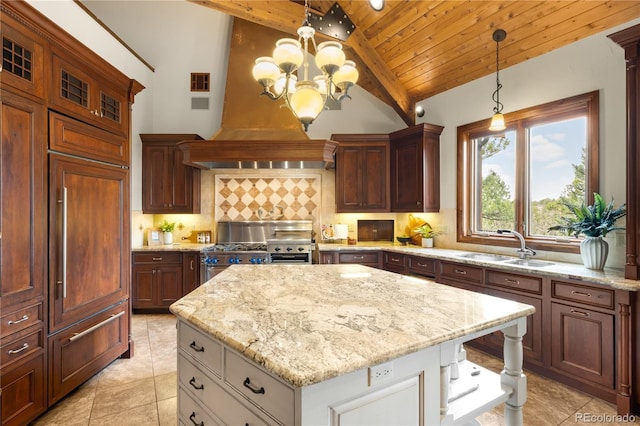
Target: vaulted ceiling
(415, 49)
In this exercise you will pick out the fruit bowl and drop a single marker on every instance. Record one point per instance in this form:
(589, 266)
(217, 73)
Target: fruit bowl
(403, 240)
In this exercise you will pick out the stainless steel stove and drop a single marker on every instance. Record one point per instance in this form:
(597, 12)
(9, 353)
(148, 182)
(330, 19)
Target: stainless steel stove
(258, 242)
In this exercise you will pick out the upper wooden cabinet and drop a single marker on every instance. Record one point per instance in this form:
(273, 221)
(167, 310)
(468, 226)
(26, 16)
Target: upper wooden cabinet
(168, 186)
(22, 59)
(79, 91)
(362, 173)
(415, 169)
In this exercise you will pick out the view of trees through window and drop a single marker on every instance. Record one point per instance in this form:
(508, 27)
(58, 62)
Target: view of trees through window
(551, 171)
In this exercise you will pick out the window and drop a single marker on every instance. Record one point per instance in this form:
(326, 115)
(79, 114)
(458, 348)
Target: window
(519, 178)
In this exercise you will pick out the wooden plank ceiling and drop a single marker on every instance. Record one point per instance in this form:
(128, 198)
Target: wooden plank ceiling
(415, 49)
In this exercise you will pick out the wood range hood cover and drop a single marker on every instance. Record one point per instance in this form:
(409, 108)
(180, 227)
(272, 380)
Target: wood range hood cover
(256, 132)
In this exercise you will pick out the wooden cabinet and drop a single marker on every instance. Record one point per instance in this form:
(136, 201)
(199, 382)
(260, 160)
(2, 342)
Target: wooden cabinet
(360, 257)
(461, 275)
(77, 90)
(89, 248)
(421, 266)
(362, 173)
(80, 351)
(394, 262)
(22, 59)
(190, 272)
(64, 220)
(157, 280)
(168, 186)
(576, 324)
(23, 253)
(328, 257)
(415, 169)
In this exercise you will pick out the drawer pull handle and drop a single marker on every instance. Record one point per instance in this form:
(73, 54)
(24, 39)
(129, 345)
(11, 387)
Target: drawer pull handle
(17, 351)
(195, 347)
(580, 293)
(157, 259)
(95, 327)
(358, 257)
(422, 265)
(247, 384)
(460, 271)
(192, 417)
(192, 382)
(395, 260)
(512, 281)
(24, 318)
(584, 314)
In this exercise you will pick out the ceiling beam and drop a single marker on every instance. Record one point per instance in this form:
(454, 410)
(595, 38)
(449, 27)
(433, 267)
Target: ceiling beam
(287, 16)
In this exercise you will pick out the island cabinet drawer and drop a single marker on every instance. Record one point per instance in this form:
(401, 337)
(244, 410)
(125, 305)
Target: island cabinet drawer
(394, 262)
(461, 272)
(202, 348)
(190, 412)
(270, 394)
(422, 266)
(588, 295)
(207, 393)
(156, 257)
(514, 282)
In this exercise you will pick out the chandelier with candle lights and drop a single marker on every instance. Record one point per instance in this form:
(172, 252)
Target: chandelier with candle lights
(285, 74)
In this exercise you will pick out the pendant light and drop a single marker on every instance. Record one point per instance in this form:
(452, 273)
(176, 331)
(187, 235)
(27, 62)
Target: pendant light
(497, 121)
(306, 98)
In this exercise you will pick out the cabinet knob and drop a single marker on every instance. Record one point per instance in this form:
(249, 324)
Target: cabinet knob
(418, 203)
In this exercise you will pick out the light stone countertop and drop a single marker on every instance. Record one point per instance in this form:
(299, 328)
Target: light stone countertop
(173, 247)
(609, 276)
(309, 323)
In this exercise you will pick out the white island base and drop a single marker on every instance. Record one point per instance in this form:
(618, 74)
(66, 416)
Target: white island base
(367, 347)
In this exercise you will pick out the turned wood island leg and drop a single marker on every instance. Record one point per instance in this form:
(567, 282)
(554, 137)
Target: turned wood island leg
(512, 375)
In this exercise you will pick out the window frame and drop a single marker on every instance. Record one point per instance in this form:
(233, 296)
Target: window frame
(588, 104)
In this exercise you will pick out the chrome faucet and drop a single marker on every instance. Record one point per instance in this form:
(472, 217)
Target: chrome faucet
(523, 251)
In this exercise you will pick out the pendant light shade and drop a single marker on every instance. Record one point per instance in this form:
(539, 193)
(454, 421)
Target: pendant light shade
(497, 121)
(305, 96)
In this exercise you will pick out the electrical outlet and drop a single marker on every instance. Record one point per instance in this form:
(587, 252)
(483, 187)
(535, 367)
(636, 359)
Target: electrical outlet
(380, 373)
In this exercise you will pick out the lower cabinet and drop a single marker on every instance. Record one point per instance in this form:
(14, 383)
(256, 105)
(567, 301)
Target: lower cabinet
(190, 271)
(394, 262)
(80, 351)
(359, 257)
(23, 394)
(157, 280)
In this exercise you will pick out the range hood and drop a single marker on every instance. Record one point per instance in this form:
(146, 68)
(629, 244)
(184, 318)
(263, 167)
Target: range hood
(256, 132)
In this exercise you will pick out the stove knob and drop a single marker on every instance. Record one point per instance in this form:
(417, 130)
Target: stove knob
(289, 249)
(301, 249)
(277, 249)
(258, 260)
(232, 260)
(238, 260)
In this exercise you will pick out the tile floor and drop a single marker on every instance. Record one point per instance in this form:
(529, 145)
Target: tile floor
(141, 391)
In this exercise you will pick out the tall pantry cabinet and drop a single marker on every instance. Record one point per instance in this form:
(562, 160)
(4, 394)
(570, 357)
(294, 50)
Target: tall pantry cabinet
(64, 213)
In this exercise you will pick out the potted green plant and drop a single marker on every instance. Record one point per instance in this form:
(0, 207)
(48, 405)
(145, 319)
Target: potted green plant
(427, 233)
(594, 222)
(167, 229)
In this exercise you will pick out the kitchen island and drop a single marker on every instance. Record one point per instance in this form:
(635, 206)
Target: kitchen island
(341, 344)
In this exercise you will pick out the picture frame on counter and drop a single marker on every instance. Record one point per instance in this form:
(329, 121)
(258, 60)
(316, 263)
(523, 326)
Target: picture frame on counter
(154, 237)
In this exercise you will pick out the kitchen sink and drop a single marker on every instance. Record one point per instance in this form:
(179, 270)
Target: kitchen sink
(486, 257)
(529, 262)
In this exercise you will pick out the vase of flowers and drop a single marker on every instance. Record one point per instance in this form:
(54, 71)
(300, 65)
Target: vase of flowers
(594, 222)
(427, 233)
(167, 229)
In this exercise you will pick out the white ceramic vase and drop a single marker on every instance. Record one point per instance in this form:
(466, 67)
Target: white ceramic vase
(427, 242)
(594, 252)
(168, 238)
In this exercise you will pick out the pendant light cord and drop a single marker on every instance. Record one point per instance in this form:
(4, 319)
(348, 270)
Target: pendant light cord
(496, 95)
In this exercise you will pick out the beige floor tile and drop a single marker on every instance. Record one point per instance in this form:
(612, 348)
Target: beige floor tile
(127, 370)
(598, 413)
(167, 412)
(144, 415)
(74, 409)
(166, 386)
(123, 397)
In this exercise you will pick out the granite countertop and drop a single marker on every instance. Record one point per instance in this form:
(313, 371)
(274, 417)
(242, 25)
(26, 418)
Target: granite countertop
(309, 323)
(173, 247)
(609, 276)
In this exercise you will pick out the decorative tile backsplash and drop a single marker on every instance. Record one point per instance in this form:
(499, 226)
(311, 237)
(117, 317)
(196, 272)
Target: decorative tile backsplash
(259, 197)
